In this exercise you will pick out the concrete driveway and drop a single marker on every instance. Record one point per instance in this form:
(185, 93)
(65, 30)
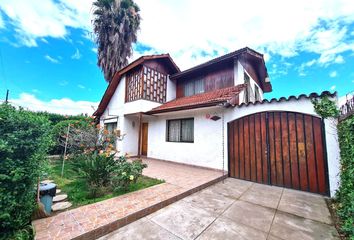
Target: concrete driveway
(236, 209)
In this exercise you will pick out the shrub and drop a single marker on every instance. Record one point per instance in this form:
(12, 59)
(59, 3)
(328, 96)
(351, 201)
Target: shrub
(126, 173)
(345, 194)
(24, 141)
(97, 169)
(59, 132)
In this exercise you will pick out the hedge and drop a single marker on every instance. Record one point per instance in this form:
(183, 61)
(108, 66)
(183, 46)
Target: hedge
(345, 194)
(25, 138)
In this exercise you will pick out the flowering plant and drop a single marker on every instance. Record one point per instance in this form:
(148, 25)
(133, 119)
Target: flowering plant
(126, 173)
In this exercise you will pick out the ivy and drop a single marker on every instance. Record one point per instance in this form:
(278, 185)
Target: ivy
(345, 194)
(325, 107)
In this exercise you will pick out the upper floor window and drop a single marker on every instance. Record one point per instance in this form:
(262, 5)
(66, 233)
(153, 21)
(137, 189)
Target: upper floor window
(194, 87)
(248, 89)
(257, 95)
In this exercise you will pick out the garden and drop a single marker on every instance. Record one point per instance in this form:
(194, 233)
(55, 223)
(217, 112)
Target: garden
(88, 169)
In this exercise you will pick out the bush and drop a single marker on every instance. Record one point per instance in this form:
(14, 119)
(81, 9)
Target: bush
(97, 169)
(103, 173)
(126, 173)
(345, 194)
(24, 141)
(59, 132)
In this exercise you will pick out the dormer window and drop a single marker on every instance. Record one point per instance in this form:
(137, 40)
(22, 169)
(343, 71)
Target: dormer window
(194, 87)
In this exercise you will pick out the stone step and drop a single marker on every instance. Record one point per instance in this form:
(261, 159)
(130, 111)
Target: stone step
(47, 181)
(58, 191)
(61, 206)
(60, 197)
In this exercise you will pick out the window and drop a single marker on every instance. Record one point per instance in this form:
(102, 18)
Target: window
(194, 87)
(256, 93)
(248, 87)
(111, 127)
(180, 130)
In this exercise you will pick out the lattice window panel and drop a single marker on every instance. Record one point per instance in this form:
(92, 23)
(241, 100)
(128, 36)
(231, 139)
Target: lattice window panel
(134, 86)
(154, 85)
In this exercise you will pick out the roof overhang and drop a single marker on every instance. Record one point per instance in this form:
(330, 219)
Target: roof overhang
(113, 84)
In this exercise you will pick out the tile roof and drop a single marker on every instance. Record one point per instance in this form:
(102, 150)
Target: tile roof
(292, 97)
(199, 100)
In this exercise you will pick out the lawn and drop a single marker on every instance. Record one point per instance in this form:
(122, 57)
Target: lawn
(77, 190)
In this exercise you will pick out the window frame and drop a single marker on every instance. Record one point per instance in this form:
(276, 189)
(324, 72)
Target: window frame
(193, 82)
(248, 87)
(180, 130)
(257, 94)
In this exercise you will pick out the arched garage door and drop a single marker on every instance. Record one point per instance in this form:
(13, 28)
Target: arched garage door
(285, 149)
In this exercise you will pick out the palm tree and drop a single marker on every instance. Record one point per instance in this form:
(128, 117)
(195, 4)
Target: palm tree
(115, 23)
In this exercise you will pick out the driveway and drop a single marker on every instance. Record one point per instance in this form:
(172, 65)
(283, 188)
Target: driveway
(236, 209)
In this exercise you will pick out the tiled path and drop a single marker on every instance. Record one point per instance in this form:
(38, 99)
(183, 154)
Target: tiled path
(95, 220)
(236, 209)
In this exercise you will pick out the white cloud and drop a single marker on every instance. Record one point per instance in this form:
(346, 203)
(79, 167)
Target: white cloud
(192, 31)
(63, 83)
(81, 86)
(273, 27)
(63, 106)
(333, 87)
(333, 74)
(51, 59)
(94, 50)
(2, 24)
(339, 59)
(77, 55)
(46, 18)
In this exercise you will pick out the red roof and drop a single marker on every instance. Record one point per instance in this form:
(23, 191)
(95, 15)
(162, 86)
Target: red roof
(201, 100)
(117, 76)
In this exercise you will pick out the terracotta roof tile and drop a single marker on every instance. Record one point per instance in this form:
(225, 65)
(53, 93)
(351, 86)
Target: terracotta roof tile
(199, 100)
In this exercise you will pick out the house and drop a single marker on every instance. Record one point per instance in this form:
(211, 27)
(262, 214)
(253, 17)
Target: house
(214, 115)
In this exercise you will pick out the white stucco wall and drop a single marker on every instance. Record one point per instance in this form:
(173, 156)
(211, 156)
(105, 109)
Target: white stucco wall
(302, 106)
(206, 150)
(239, 79)
(171, 89)
(118, 108)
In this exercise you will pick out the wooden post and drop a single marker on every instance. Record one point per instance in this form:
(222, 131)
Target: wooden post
(66, 145)
(139, 143)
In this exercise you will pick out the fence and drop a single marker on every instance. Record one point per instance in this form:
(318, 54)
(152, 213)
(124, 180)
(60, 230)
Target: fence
(347, 109)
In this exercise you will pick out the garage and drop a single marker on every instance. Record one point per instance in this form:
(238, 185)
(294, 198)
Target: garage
(281, 148)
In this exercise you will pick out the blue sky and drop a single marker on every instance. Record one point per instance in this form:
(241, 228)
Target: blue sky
(48, 57)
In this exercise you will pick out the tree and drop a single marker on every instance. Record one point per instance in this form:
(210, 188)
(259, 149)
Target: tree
(116, 23)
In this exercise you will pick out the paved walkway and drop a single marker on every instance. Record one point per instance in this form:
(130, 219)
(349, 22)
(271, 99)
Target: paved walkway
(236, 209)
(95, 220)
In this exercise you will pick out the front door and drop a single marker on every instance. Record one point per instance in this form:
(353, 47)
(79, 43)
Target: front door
(144, 147)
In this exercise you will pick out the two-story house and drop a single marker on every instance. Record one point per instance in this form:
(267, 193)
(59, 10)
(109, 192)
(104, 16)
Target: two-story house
(179, 116)
(214, 115)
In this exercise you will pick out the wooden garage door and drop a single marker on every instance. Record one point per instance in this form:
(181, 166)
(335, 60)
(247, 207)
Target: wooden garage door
(285, 149)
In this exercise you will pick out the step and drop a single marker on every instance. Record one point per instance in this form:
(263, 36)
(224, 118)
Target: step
(58, 191)
(61, 206)
(47, 181)
(60, 198)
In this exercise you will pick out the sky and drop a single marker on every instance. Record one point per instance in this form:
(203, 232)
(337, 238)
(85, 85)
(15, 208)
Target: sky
(48, 55)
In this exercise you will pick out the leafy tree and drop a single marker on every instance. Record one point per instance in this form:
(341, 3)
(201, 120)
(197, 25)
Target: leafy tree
(116, 24)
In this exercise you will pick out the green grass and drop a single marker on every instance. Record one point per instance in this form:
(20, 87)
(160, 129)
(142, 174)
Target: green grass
(77, 190)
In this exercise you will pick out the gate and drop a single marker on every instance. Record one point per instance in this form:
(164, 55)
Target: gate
(285, 149)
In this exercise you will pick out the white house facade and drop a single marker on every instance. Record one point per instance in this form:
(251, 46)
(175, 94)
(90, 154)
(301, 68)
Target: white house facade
(194, 117)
